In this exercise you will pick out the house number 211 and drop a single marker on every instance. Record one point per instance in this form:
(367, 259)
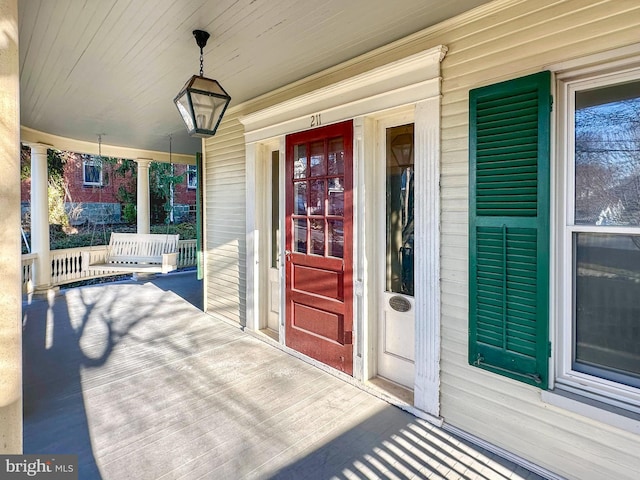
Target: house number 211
(316, 121)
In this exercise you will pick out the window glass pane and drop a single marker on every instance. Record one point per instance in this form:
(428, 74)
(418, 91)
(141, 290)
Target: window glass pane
(317, 236)
(336, 238)
(275, 208)
(399, 209)
(316, 205)
(300, 235)
(607, 155)
(318, 165)
(336, 156)
(607, 309)
(336, 197)
(192, 176)
(300, 161)
(300, 196)
(92, 172)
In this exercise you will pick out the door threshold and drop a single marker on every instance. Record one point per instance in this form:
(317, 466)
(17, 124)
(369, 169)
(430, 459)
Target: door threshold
(272, 334)
(393, 389)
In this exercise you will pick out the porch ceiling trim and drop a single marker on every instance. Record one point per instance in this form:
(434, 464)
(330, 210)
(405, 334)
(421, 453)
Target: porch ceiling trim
(402, 82)
(30, 136)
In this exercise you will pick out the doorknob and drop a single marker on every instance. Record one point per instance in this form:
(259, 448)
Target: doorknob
(287, 254)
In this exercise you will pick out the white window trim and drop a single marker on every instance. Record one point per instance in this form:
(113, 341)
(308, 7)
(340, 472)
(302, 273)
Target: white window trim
(582, 393)
(193, 173)
(93, 163)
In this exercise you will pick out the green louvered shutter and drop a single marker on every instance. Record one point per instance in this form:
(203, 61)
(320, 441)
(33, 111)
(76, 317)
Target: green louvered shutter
(509, 228)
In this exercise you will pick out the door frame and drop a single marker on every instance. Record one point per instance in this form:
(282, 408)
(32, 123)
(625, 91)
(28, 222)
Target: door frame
(411, 81)
(258, 193)
(401, 116)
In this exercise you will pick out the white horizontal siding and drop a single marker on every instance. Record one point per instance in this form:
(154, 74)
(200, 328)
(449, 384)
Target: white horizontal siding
(520, 39)
(225, 214)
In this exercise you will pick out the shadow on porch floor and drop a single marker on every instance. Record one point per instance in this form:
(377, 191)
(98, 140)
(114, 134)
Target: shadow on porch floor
(141, 384)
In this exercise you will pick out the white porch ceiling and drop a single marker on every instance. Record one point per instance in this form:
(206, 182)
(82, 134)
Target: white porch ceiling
(113, 67)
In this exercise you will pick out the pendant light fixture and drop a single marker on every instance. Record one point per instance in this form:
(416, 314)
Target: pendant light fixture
(402, 149)
(202, 101)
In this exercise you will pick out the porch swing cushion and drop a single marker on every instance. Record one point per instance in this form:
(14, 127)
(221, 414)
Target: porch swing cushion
(138, 253)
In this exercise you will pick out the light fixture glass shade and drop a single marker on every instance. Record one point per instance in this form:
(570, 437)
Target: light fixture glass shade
(402, 149)
(202, 103)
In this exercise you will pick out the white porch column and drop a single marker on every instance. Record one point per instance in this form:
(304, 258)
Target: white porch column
(40, 217)
(11, 298)
(144, 200)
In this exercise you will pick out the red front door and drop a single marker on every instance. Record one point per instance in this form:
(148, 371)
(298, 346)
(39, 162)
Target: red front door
(319, 296)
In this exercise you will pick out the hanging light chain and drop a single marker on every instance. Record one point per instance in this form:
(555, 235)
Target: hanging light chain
(100, 151)
(201, 40)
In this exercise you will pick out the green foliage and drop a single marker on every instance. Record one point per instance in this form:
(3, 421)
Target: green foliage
(124, 166)
(60, 241)
(187, 231)
(56, 191)
(120, 167)
(57, 213)
(25, 163)
(161, 180)
(125, 195)
(55, 164)
(129, 214)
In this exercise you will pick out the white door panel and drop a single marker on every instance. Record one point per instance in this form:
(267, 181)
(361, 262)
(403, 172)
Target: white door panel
(274, 299)
(396, 344)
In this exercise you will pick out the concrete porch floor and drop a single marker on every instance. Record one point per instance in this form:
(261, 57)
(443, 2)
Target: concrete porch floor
(140, 384)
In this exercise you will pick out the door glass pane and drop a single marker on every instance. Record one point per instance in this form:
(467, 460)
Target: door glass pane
(336, 197)
(300, 235)
(399, 209)
(317, 236)
(299, 161)
(300, 198)
(607, 310)
(336, 156)
(336, 238)
(316, 205)
(607, 164)
(318, 164)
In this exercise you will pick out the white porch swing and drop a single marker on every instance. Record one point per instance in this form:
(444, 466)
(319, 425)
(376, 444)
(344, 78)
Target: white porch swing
(135, 252)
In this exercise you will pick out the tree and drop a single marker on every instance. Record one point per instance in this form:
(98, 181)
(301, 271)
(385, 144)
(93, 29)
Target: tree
(57, 188)
(161, 182)
(607, 155)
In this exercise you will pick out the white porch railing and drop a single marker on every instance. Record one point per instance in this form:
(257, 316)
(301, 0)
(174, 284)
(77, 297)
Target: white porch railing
(187, 253)
(66, 265)
(27, 272)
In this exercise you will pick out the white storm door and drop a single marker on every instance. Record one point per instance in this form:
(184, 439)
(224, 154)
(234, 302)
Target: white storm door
(395, 248)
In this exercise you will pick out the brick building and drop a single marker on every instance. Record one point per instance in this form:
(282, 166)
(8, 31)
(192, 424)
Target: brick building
(92, 186)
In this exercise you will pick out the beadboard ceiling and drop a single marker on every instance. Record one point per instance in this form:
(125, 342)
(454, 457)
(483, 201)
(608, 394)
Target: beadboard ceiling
(113, 67)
